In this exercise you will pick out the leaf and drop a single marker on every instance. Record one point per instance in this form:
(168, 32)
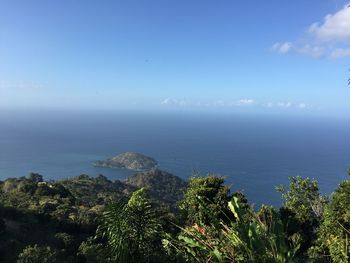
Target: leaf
(217, 254)
(233, 206)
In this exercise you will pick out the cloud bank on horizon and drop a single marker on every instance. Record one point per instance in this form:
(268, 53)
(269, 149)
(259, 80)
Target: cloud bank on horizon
(245, 102)
(329, 39)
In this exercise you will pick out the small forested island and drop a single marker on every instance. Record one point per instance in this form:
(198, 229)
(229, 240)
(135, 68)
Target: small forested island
(129, 160)
(154, 216)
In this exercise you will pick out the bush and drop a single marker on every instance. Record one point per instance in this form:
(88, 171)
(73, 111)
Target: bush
(36, 254)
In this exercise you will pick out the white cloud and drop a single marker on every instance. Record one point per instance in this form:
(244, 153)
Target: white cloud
(340, 53)
(219, 103)
(292, 105)
(167, 101)
(21, 86)
(173, 102)
(328, 39)
(312, 51)
(285, 105)
(315, 51)
(282, 105)
(268, 105)
(245, 102)
(282, 47)
(302, 105)
(335, 27)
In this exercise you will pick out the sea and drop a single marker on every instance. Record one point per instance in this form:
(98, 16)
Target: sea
(254, 152)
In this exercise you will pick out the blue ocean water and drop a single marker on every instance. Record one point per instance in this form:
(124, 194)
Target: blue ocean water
(254, 152)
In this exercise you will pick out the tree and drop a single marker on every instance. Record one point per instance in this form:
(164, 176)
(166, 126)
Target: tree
(206, 198)
(90, 252)
(302, 209)
(132, 230)
(35, 177)
(36, 254)
(303, 199)
(334, 232)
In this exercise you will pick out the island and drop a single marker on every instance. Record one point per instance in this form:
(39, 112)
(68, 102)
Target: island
(129, 160)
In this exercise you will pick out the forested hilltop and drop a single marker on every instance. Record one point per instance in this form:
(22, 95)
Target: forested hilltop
(157, 217)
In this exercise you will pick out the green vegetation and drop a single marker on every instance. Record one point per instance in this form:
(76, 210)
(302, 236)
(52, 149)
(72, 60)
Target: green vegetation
(129, 160)
(163, 187)
(38, 254)
(156, 217)
(205, 200)
(133, 230)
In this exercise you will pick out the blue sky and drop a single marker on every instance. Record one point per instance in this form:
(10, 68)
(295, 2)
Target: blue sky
(175, 54)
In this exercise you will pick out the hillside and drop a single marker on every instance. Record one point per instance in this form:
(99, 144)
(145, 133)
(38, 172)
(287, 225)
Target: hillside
(34, 211)
(163, 186)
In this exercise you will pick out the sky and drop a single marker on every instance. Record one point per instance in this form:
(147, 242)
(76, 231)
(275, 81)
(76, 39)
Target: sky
(176, 54)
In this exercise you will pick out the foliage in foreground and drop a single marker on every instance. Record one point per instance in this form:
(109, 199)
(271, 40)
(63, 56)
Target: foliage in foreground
(87, 219)
(132, 230)
(245, 236)
(333, 239)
